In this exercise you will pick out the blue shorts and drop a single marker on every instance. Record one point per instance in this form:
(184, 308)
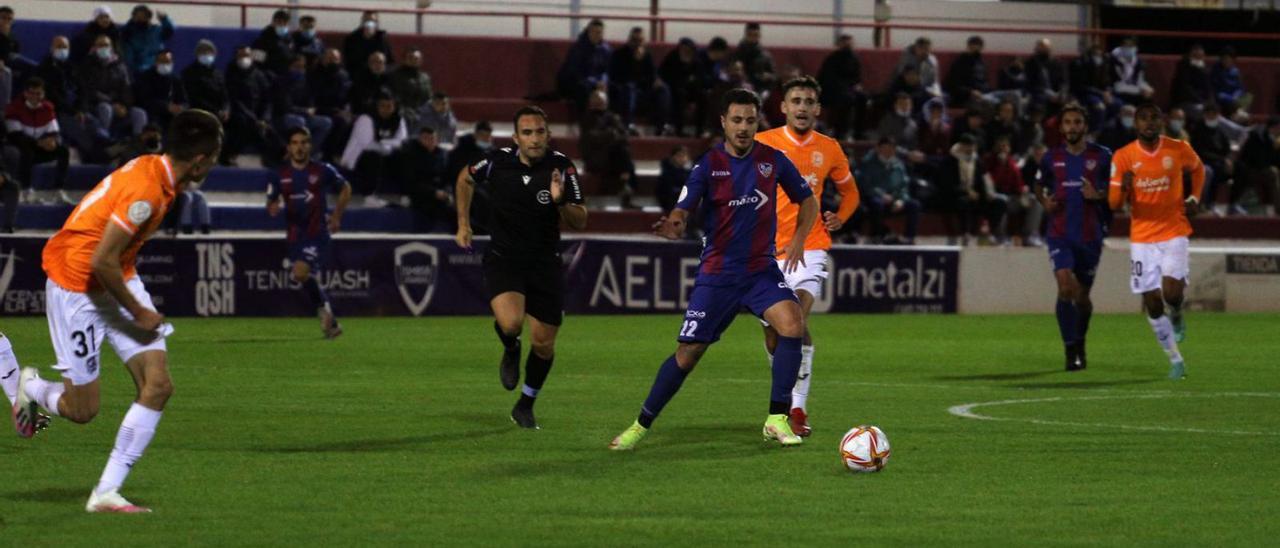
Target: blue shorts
(313, 251)
(713, 307)
(1081, 258)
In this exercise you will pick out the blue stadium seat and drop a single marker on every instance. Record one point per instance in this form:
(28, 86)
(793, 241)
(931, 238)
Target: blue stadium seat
(221, 179)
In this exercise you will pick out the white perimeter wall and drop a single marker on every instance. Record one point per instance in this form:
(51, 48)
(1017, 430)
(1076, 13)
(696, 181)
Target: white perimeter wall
(983, 13)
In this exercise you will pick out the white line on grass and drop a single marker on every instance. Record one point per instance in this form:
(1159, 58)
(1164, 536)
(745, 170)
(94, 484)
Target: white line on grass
(966, 411)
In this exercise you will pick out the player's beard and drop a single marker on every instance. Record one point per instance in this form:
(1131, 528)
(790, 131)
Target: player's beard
(1074, 139)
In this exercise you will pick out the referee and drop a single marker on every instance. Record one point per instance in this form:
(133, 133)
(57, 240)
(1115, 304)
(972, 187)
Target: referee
(531, 188)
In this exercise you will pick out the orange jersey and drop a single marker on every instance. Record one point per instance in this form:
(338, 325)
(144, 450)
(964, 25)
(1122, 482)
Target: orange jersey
(1157, 210)
(817, 158)
(134, 197)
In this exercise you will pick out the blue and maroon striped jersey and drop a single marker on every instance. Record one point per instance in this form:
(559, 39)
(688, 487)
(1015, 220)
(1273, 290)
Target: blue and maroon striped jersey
(1063, 174)
(737, 198)
(304, 193)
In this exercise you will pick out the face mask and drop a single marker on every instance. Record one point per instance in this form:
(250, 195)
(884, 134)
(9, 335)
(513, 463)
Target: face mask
(103, 53)
(904, 113)
(1129, 52)
(1211, 123)
(244, 62)
(1127, 122)
(1097, 59)
(1175, 126)
(32, 106)
(282, 30)
(164, 69)
(484, 145)
(1197, 63)
(61, 54)
(206, 59)
(370, 26)
(309, 33)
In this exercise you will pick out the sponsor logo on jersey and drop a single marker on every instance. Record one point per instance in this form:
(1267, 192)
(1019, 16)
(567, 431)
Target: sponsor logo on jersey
(758, 200)
(1147, 184)
(698, 314)
(526, 179)
(721, 174)
(1167, 162)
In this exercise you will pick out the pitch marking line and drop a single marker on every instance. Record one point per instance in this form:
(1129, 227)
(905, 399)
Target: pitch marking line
(966, 411)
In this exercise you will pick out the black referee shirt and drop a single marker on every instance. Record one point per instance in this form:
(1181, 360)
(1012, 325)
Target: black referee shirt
(525, 223)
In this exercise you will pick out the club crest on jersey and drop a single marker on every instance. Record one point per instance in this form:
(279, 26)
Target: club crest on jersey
(526, 179)
(1167, 162)
(1090, 164)
(817, 158)
(544, 196)
(766, 169)
(314, 179)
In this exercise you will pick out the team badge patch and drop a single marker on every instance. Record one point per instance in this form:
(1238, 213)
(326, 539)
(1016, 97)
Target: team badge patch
(139, 212)
(1167, 162)
(817, 158)
(765, 169)
(1089, 165)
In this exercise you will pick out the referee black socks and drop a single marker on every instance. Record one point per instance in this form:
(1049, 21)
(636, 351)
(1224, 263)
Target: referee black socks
(509, 342)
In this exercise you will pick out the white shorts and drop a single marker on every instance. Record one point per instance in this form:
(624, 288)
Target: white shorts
(809, 276)
(78, 323)
(1150, 262)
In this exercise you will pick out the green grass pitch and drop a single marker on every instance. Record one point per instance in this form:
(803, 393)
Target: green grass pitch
(397, 434)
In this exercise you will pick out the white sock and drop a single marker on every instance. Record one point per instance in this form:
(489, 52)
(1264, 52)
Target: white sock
(9, 370)
(1164, 335)
(136, 430)
(769, 355)
(800, 393)
(528, 391)
(44, 392)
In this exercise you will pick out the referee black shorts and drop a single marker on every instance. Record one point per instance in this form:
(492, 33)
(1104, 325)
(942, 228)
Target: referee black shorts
(539, 280)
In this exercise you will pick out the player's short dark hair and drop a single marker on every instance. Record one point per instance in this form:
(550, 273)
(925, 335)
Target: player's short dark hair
(967, 139)
(295, 130)
(483, 125)
(529, 110)
(280, 15)
(924, 41)
(193, 132)
(307, 19)
(1148, 106)
(801, 82)
(718, 43)
(6, 9)
(975, 40)
(752, 26)
(739, 96)
(1076, 108)
(34, 82)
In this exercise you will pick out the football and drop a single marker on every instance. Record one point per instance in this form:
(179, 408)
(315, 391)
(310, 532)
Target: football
(864, 449)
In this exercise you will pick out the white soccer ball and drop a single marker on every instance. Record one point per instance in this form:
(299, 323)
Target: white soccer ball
(864, 449)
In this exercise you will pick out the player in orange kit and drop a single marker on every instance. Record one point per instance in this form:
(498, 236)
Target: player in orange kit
(1147, 174)
(818, 158)
(94, 292)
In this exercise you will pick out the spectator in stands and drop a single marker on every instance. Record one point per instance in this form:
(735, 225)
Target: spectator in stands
(683, 78)
(332, 89)
(1191, 87)
(1119, 131)
(1013, 192)
(907, 82)
(885, 187)
(159, 90)
(965, 194)
(411, 87)
(370, 152)
(147, 142)
(1006, 125)
(1176, 125)
(142, 38)
(674, 173)
(714, 61)
(843, 97)
(1211, 142)
(9, 196)
(11, 56)
(606, 154)
(1259, 168)
(973, 124)
(439, 116)
(31, 125)
(1013, 78)
(367, 84)
(61, 89)
(1129, 74)
(365, 41)
(899, 124)
(295, 105)
(422, 169)
(250, 92)
(1091, 81)
(586, 66)
(306, 42)
(966, 81)
(634, 84)
(755, 59)
(470, 149)
(935, 132)
(273, 48)
(101, 25)
(1046, 79)
(206, 88)
(735, 77)
(1228, 87)
(6, 84)
(919, 56)
(106, 91)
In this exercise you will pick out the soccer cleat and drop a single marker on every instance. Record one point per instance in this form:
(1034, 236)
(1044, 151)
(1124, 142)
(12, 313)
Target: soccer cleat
(628, 439)
(776, 428)
(1080, 354)
(1177, 370)
(523, 417)
(800, 422)
(1073, 357)
(25, 411)
(328, 323)
(1179, 327)
(112, 502)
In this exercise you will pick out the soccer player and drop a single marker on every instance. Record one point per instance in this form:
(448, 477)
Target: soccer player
(532, 189)
(94, 292)
(1148, 175)
(735, 182)
(1072, 185)
(301, 185)
(817, 157)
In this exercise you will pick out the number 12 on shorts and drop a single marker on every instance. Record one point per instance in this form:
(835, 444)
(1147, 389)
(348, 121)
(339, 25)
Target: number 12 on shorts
(688, 328)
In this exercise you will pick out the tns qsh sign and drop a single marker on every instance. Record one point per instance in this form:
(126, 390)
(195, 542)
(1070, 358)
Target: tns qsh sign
(215, 282)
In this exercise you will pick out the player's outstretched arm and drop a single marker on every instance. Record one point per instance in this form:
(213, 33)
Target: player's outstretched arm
(462, 190)
(672, 226)
(110, 275)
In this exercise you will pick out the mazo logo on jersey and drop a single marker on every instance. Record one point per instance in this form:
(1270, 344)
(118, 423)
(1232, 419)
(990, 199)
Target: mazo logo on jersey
(759, 200)
(417, 267)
